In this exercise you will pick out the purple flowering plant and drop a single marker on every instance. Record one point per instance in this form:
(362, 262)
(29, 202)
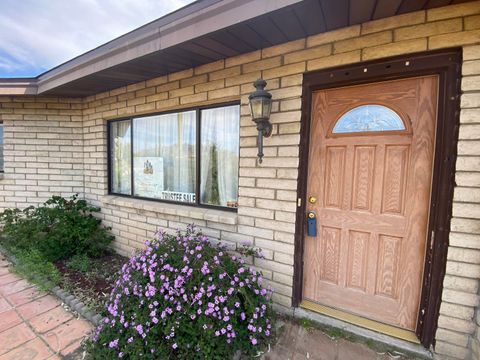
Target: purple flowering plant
(184, 297)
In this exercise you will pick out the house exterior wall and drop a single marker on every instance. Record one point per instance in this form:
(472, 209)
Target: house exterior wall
(60, 146)
(43, 149)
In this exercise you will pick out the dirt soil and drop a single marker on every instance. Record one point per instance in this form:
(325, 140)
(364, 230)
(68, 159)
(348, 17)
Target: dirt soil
(94, 286)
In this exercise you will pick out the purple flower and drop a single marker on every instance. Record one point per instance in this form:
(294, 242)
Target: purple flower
(245, 243)
(174, 346)
(254, 341)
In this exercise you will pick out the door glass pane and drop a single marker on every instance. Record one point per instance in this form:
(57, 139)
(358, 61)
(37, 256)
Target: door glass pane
(164, 156)
(120, 157)
(219, 156)
(367, 118)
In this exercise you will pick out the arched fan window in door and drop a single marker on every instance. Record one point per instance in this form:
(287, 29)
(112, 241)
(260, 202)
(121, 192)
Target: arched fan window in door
(368, 118)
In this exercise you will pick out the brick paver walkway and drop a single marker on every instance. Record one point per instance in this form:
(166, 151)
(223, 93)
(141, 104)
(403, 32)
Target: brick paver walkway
(33, 324)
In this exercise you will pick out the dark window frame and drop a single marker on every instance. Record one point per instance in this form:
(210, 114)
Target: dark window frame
(198, 135)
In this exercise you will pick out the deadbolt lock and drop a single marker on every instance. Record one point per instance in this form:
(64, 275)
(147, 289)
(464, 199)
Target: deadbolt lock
(312, 199)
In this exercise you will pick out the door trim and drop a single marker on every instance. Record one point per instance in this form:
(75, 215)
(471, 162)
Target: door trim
(447, 65)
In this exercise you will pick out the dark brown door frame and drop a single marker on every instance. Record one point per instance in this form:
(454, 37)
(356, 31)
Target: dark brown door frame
(447, 65)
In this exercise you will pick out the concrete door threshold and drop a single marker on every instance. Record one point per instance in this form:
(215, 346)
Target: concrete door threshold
(402, 346)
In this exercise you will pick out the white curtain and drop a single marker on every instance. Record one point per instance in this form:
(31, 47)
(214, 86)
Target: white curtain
(170, 137)
(219, 155)
(121, 156)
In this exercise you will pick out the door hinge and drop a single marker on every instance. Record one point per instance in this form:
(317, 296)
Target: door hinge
(299, 202)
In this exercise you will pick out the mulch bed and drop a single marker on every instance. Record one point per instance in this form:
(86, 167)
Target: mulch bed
(94, 286)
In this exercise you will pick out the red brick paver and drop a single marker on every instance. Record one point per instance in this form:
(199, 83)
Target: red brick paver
(34, 325)
(9, 319)
(4, 305)
(65, 334)
(32, 350)
(15, 336)
(50, 320)
(38, 306)
(24, 296)
(14, 287)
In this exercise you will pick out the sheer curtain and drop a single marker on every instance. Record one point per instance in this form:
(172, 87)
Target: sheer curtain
(168, 140)
(219, 155)
(121, 157)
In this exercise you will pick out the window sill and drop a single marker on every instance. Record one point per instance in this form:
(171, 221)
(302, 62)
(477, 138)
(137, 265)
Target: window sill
(218, 216)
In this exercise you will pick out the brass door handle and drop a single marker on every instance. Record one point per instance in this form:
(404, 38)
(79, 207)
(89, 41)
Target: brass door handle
(312, 199)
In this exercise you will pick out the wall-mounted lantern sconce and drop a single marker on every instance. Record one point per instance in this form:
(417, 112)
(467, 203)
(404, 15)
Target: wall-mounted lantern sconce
(260, 106)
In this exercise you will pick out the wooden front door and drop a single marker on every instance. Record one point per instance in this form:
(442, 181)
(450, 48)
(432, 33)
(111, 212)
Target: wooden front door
(370, 170)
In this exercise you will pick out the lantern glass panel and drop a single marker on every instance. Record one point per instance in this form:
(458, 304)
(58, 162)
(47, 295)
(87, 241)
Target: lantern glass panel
(267, 107)
(256, 108)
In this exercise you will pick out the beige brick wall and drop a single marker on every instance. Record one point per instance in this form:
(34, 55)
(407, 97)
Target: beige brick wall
(43, 149)
(267, 203)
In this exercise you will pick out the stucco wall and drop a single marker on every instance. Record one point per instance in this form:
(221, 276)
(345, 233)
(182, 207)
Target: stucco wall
(267, 204)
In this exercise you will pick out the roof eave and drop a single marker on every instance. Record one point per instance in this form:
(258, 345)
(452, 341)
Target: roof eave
(24, 86)
(159, 35)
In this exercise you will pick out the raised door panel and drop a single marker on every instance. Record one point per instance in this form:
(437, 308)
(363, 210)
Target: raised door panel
(357, 261)
(334, 176)
(389, 248)
(395, 179)
(330, 245)
(363, 178)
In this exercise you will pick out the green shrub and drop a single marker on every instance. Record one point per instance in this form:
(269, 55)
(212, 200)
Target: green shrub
(58, 229)
(79, 262)
(184, 298)
(32, 265)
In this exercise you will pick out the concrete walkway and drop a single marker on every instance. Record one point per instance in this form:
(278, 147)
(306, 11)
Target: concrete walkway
(33, 324)
(296, 342)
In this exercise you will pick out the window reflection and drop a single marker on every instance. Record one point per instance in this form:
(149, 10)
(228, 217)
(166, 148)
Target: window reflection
(219, 156)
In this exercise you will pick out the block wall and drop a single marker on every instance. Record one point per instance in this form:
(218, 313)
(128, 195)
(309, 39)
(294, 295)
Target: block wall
(267, 203)
(43, 149)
